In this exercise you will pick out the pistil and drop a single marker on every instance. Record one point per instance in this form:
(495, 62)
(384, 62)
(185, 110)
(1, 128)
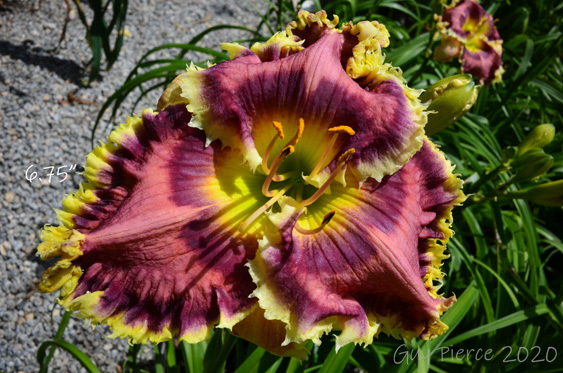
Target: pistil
(327, 218)
(246, 224)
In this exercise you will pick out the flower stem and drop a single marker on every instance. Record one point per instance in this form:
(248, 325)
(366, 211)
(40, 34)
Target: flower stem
(58, 336)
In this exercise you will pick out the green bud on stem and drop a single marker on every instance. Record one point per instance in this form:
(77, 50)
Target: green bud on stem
(539, 137)
(451, 98)
(535, 167)
(522, 159)
(548, 194)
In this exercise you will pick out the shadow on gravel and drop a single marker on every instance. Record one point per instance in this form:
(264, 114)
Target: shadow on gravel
(65, 69)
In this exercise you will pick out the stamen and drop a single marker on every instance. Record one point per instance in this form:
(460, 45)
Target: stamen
(291, 143)
(299, 133)
(275, 165)
(266, 157)
(339, 167)
(278, 126)
(327, 218)
(337, 130)
(342, 129)
(345, 156)
(285, 176)
(246, 224)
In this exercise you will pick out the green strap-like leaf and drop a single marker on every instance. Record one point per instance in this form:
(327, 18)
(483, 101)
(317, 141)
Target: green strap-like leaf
(516, 317)
(336, 362)
(82, 358)
(193, 354)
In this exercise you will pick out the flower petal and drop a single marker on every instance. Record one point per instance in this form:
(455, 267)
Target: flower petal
(484, 62)
(268, 334)
(150, 243)
(327, 84)
(373, 267)
(448, 49)
(466, 19)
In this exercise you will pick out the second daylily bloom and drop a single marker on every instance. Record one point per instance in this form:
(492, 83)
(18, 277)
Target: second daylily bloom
(282, 194)
(468, 32)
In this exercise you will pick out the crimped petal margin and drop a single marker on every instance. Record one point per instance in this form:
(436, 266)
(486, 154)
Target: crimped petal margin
(149, 244)
(368, 68)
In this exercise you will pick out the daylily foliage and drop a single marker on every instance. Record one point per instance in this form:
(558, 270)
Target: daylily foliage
(283, 194)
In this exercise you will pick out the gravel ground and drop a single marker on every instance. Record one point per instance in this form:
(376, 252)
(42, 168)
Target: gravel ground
(39, 127)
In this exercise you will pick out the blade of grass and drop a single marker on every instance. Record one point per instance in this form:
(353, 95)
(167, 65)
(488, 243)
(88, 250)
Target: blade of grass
(44, 362)
(171, 366)
(158, 359)
(193, 354)
(337, 361)
(502, 282)
(514, 318)
(252, 362)
(76, 353)
(217, 352)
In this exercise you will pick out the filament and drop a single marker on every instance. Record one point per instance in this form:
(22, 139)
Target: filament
(279, 128)
(337, 130)
(339, 167)
(275, 165)
(246, 224)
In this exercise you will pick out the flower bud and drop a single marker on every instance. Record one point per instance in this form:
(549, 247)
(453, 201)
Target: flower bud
(539, 137)
(548, 194)
(521, 159)
(536, 166)
(451, 98)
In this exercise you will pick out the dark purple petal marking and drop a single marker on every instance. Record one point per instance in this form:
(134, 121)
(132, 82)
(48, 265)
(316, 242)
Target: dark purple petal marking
(161, 242)
(236, 101)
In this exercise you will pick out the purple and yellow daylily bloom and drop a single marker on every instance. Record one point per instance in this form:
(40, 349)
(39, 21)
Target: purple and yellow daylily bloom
(469, 33)
(282, 194)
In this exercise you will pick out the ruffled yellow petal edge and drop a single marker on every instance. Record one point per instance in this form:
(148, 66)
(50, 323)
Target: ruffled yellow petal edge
(306, 20)
(436, 247)
(64, 241)
(85, 307)
(367, 66)
(286, 45)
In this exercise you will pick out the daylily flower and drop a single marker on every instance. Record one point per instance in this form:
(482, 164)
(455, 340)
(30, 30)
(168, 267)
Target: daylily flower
(282, 194)
(469, 33)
